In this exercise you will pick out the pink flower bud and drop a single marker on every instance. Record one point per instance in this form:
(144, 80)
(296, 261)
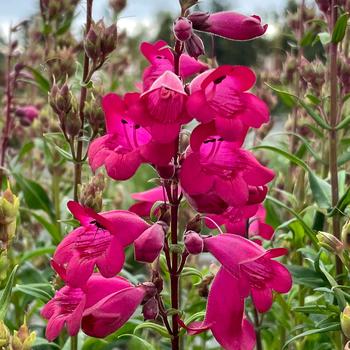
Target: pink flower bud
(194, 243)
(149, 245)
(150, 310)
(27, 114)
(229, 24)
(194, 46)
(182, 28)
(323, 5)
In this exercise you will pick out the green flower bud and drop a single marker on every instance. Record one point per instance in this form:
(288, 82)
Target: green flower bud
(345, 235)
(72, 123)
(4, 335)
(109, 39)
(91, 193)
(330, 242)
(23, 339)
(345, 321)
(92, 43)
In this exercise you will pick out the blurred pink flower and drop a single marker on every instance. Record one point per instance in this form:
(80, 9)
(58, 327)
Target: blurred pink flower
(27, 114)
(67, 307)
(100, 241)
(146, 199)
(126, 145)
(225, 315)
(221, 95)
(228, 24)
(161, 59)
(219, 168)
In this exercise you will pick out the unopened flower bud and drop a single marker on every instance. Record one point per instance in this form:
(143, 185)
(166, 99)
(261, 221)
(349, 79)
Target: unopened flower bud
(109, 39)
(117, 5)
(182, 28)
(23, 339)
(91, 193)
(27, 114)
(150, 309)
(148, 246)
(323, 5)
(345, 321)
(194, 46)
(60, 99)
(150, 290)
(345, 235)
(92, 43)
(194, 242)
(330, 242)
(4, 335)
(72, 123)
(194, 224)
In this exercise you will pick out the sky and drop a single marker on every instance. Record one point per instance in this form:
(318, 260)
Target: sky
(137, 11)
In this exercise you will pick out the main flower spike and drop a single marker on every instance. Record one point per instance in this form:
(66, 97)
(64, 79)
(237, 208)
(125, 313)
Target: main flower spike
(228, 24)
(126, 145)
(71, 305)
(100, 241)
(221, 95)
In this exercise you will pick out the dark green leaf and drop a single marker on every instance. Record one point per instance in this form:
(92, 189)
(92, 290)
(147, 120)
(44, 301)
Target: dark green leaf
(41, 81)
(6, 293)
(340, 28)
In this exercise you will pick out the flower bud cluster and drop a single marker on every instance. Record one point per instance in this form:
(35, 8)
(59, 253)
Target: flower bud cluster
(91, 193)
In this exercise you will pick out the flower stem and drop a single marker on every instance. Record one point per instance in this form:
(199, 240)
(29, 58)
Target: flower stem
(83, 93)
(332, 135)
(74, 342)
(257, 330)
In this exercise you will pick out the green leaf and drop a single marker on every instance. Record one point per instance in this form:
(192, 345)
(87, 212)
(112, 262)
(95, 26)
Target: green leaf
(42, 291)
(42, 342)
(35, 195)
(306, 276)
(153, 326)
(342, 204)
(329, 328)
(37, 252)
(191, 271)
(325, 38)
(319, 187)
(6, 294)
(143, 343)
(344, 123)
(40, 80)
(311, 234)
(340, 28)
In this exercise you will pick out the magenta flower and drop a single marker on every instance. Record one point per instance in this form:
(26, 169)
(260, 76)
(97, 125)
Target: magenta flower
(27, 114)
(221, 95)
(253, 266)
(100, 241)
(219, 168)
(162, 108)
(225, 315)
(107, 315)
(146, 200)
(161, 59)
(228, 24)
(67, 307)
(126, 145)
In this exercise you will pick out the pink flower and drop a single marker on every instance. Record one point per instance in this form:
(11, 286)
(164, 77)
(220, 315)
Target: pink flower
(228, 24)
(126, 145)
(161, 59)
(163, 108)
(67, 307)
(225, 315)
(221, 95)
(253, 266)
(247, 221)
(107, 315)
(27, 114)
(220, 169)
(100, 241)
(146, 200)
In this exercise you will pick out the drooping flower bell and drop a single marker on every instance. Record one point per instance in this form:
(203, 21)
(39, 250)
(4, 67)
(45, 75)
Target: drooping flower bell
(215, 167)
(228, 24)
(220, 95)
(73, 307)
(126, 145)
(100, 241)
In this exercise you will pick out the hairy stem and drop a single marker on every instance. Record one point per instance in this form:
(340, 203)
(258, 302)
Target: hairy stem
(83, 93)
(257, 330)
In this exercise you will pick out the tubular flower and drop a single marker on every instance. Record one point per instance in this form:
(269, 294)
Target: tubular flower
(67, 307)
(228, 24)
(253, 266)
(126, 145)
(221, 95)
(217, 167)
(161, 59)
(100, 241)
(225, 315)
(162, 108)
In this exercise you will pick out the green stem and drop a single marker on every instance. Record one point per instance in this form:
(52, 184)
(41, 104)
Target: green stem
(56, 198)
(74, 342)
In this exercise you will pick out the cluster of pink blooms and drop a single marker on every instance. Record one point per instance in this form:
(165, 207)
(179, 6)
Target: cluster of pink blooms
(217, 177)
